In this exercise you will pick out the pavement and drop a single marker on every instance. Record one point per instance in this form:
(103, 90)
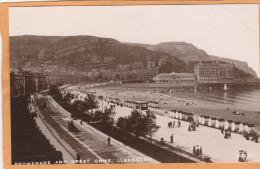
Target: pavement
(210, 139)
(88, 142)
(45, 129)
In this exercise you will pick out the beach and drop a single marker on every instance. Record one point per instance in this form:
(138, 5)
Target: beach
(179, 100)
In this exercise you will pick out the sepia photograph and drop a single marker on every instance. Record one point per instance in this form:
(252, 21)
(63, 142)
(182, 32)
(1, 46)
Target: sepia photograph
(134, 84)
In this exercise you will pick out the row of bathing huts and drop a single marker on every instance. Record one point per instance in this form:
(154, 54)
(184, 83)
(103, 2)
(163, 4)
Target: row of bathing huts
(219, 123)
(135, 104)
(214, 122)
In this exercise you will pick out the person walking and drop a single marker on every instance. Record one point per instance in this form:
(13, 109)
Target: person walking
(179, 123)
(197, 150)
(256, 137)
(78, 156)
(171, 138)
(194, 150)
(200, 151)
(108, 140)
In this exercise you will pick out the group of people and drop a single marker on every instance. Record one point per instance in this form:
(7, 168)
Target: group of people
(197, 150)
(71, 126)
(172, 124)
(192, 126)
(242, 156)
(162, 141)
(254, 137)
(227, 133)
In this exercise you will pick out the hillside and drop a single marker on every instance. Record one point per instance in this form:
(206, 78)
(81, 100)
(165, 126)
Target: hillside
(83, 52)
(188, 52)
(25, 48)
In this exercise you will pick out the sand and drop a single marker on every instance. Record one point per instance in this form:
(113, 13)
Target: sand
(177, 103)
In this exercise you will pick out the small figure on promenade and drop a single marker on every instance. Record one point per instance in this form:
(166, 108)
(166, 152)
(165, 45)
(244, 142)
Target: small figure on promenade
(247, 136)
(197, 150)
(189, 128)
(171, 138)
(179, 123)
(194, 150)
(173, 124)
(80, 122)
(78, 156)
(170, 124)
(108, 140)
(242, 156)
(256, 137)
(162, 141)
(200, 151)
(222, 130)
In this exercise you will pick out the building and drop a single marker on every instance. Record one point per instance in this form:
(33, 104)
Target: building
(123, 67)
(138, 65)
(176, 78)
(162, 61)
(26, 82)
(138, 105)
(53, 79)
(40, 82)
(213, 72)
(135, 74)
(17, 83)
(150, 64)
(30, 82)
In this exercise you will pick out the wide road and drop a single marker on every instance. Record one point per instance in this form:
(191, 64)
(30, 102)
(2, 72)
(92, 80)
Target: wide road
(88, 142)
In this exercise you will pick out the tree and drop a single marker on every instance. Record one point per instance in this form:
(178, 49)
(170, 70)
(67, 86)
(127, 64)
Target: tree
(98, 116)
(91, 101)
(55, 92)
(123, 123)
(106, 117)
(138, 124)
(151, 123)
(79, 106)
(68, 97)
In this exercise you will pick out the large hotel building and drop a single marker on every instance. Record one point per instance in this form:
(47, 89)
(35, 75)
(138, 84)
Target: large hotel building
(204, 72)
(213, 72)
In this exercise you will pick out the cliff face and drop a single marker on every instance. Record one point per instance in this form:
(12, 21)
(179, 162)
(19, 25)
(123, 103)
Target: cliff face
(239, 64)
(182, 50)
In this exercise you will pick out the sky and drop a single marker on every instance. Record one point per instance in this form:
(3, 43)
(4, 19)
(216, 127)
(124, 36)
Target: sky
(230, 31)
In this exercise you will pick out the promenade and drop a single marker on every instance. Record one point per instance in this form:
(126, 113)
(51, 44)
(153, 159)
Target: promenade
(88, 142)
(211, 140)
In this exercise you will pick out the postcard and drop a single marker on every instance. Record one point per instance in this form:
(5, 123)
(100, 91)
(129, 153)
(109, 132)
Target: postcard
(152, 84)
